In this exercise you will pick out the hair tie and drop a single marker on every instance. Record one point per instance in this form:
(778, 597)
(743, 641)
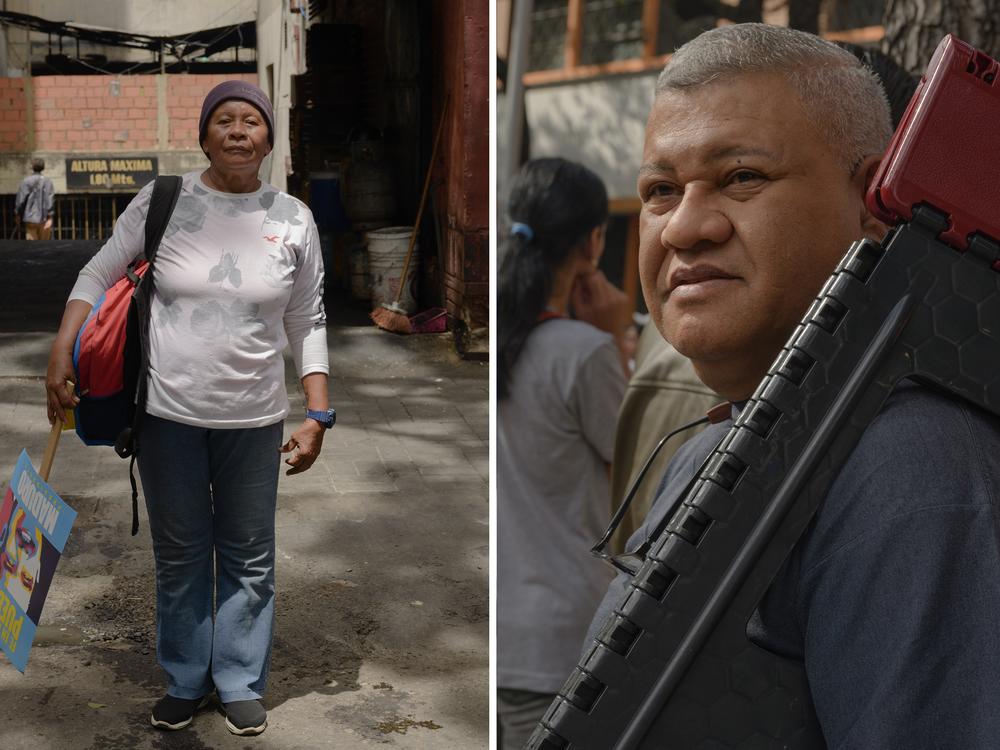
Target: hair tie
(522, 230)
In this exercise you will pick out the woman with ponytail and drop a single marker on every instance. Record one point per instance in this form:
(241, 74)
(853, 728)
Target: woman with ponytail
(561, 383)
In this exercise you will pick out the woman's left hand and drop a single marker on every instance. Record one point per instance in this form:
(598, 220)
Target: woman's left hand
(306, 441)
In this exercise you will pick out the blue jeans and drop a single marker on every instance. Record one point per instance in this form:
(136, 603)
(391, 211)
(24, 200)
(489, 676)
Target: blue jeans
(212, 491)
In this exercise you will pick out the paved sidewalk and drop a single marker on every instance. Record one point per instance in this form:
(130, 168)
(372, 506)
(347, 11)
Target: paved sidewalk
(382, 624)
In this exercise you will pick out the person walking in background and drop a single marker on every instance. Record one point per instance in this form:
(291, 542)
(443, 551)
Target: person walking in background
(561, 385)
(34, 203)
(238, 276)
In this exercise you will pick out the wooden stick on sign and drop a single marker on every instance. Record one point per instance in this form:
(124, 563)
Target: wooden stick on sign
(50, 449)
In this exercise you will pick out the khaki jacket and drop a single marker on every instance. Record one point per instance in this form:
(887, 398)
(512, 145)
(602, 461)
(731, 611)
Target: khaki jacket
(663, 394)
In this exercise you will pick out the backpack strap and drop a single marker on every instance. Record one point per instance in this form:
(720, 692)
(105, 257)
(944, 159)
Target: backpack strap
(166, 190)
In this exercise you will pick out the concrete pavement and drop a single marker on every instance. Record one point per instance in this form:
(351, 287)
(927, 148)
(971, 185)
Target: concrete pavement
(382, 609)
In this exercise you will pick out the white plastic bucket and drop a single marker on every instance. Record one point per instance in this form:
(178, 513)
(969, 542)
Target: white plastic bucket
(386, 255)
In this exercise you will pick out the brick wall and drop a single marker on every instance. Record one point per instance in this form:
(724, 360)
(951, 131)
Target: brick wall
(95, 113)
(102, 113)
(13, 115)
(185, 93)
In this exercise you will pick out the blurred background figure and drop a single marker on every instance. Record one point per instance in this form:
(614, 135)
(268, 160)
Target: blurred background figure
(34, 203)
(663, 394)
(561, 385)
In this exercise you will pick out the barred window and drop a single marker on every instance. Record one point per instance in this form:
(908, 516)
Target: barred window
(837, 15)
(549, 19)
(612, 30)
(75, 217)
(608, 31)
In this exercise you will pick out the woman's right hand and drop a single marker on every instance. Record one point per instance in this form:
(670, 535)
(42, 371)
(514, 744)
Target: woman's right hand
(60, 377)
(599, 302)
(59, 386)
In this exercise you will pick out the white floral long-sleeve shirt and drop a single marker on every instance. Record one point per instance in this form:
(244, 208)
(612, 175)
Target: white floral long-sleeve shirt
(239, 276)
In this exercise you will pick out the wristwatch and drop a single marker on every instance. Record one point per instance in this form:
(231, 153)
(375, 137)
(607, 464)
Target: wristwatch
(326, 418)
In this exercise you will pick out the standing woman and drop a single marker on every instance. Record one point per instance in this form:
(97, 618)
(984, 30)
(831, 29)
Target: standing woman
(238, 276)
(561, 384)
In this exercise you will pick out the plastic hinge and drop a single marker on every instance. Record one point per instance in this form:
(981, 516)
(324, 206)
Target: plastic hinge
(862, 261)
(931, 219)
(642, 609)
(655, 579)
(689, 524)
(748, 448)
(759, 417)
(725, 470)
(582, 689)
(780, 393)
(828, 314)
(619, 633)
(713, 501)
(985, 248)
(795, 365)
(676, 552)
(549, 740)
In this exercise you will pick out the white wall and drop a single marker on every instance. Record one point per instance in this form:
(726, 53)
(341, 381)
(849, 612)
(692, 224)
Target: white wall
(599, 123)
(281, 42)
(149, 17)
(152, 17)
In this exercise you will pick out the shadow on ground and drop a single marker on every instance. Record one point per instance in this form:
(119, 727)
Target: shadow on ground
(381, 633)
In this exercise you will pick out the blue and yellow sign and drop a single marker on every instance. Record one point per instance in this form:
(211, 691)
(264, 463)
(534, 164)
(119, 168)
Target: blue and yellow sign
(34, 526)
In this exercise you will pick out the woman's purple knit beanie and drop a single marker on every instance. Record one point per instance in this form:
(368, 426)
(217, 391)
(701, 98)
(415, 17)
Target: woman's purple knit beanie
(243, 91)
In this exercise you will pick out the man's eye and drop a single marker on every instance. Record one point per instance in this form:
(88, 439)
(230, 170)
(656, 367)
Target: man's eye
(744, 177)
(660, 190)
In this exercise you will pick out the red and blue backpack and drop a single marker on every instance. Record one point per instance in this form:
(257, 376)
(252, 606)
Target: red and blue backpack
(111, 353)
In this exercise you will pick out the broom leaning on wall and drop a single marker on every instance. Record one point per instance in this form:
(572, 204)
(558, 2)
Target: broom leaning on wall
(392, 316)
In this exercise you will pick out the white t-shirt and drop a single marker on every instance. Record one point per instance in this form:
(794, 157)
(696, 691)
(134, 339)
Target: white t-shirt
(238, 276)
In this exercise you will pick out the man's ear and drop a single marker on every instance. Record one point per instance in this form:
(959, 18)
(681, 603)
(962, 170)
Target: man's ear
(871, 226)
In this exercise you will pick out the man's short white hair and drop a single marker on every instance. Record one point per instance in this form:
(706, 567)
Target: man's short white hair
(840, 95)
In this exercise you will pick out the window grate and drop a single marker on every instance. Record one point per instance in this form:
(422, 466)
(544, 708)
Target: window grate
(612, 30)
(549, 19)
(76, 217)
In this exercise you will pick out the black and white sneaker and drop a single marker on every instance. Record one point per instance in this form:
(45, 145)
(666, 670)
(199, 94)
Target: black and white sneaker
(245, 717)
(175, 713)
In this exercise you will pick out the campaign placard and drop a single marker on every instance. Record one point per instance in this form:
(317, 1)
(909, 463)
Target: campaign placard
(34, 525)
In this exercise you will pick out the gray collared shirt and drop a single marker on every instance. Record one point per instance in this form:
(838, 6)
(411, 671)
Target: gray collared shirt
(35, 197)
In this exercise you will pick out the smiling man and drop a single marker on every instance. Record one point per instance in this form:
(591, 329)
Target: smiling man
(759, 147)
